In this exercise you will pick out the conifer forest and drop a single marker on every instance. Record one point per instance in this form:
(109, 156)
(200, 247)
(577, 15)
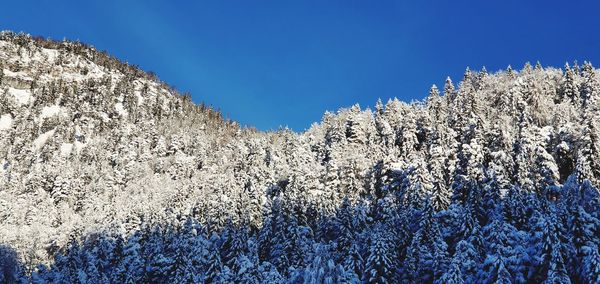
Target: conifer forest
(109, 175)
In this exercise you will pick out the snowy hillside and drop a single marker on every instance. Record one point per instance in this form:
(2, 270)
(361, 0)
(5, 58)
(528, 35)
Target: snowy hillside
(108, 175)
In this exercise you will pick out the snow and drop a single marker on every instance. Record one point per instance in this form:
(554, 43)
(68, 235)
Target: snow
(563, 146)
(50, 111)
(120, 109)
(5, 121)
(22, 97)
(52, 54)
(547, 132)
(78, 145)
(21, 75)
(140, 98)
(104, 117)
(39, 142)
(65, 149)
(397, 167)
(126, 181)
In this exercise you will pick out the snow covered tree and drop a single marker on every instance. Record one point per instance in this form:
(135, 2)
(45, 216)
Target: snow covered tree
(467, 258)
(453, 275)
(214, 266)
(416, 184)
(498, 273)
(548, 250)
(354, 130)
(384, 129)
(354, 261)
(441, 194)
(379, 267)
(590, 87)
(591, 264)
(427, 256)
(570, 87)
(10, 268)
(109, 175)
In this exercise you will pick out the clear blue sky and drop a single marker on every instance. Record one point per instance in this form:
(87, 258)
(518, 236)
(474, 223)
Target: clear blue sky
(272, 63)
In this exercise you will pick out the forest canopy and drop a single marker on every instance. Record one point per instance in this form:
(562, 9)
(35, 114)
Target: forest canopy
(107, 175)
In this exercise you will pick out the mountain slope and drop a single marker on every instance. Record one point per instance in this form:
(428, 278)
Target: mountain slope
(110, 171)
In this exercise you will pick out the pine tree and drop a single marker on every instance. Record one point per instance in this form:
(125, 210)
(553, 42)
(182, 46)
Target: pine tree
(354, 131)
(570, 88)
(384, 129)
(10, 268)
(584, 228)
(379, 267)
(522, 150)
(435, 104)
(499, 163)
(548, 249)
(132, 266)
(468, 259)
(354, 261)
(214, 265)
(416, 184)
(545, 173)
(441, 194)
(588, 152)
(589, 88)
(557, 272)
(427, 256)
(591, 264)
(498, 273)
(452, 276)
(504, 241)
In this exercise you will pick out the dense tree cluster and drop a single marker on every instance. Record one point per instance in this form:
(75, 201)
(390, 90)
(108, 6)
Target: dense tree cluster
(109, 176)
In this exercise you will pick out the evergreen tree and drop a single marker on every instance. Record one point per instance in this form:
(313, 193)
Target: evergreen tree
(354, 261)
(591, 264)
(452, 276)
(570, 87)
(214, 266)
(427, 256)
(379, 266)
(441, 194)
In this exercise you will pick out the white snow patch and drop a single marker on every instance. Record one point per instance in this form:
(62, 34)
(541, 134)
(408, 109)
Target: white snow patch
(50, 111)
(225, 198)
(120, 109)
(39, 142)
(5, 121)
(396, 167)
(65, 149)
(140, 98)
(563, 146)
(316, 192)
(78, 146)
(546, 133)
(104, 117)
(21, 75)
(22, 97)
(51, 53)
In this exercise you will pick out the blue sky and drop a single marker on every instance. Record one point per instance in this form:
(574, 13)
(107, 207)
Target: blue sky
(284, 63)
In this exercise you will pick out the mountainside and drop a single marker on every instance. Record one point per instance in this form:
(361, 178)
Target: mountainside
(108, 175)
